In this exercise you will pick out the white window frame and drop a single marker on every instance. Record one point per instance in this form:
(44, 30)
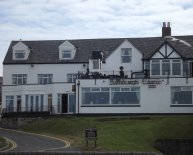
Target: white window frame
(9, 100)
(96, 64)
(110, 90)
(16, 78)
(66, 52)
(71, 77)
(171, 67)
(45, 78)
(126, 55)
(181, 89)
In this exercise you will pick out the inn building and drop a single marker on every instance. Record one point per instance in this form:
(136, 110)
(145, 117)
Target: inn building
(100, 76)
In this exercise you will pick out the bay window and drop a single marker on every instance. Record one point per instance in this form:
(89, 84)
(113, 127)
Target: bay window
(155, 67)
(167, 67)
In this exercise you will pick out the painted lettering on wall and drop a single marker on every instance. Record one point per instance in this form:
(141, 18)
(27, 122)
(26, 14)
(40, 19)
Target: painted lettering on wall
(123, 82)
(151, 82)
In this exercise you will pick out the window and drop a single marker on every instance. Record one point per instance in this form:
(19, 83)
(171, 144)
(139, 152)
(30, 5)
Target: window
(147, 65)
(125, 95)
(181, 95)
(59, 103)
(66, 54)
(34, 103)
(96, 64)
(165, 67)
(45, 78)
(19, 54)
(185, 68)
(92, 96)
(126, 55)
(19, 79)
(71, 78)
(176, 67)
(155, 67)
(111, 96)
(9, 103)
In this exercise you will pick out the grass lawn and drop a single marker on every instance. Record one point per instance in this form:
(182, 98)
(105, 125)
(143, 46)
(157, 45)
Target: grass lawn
(116, 133)
(3, 142)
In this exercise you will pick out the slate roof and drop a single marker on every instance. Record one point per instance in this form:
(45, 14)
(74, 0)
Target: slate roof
(47, 52)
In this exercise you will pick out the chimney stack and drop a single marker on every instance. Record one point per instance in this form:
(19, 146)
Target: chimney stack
(166, 30)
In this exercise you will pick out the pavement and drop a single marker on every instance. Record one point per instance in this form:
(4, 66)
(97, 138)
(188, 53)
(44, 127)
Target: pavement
(30, 142)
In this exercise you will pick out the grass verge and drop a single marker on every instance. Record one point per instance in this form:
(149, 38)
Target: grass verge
(120, 133)
(3, 143)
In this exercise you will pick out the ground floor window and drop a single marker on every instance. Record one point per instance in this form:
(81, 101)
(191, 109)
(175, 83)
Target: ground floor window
(35, 103)
(111, 96)
(9, 103)
(181, 95)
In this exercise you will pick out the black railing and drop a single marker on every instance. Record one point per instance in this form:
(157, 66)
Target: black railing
(130, 74)
(103, 75)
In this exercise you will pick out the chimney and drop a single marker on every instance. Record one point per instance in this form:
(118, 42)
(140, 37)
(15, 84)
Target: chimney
(166, 30)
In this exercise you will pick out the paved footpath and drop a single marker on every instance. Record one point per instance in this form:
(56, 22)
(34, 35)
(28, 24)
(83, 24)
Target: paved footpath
(32, 142)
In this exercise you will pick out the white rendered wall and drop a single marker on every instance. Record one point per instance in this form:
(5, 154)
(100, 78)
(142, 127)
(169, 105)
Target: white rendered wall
(59, 71)
(59, 86)
(152, 100)
(113, 62)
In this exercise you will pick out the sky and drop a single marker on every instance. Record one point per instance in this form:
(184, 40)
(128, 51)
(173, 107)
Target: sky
(80, 19)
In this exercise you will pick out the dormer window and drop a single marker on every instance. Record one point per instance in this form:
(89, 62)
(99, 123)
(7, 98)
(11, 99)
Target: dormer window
(66, 54)
(20, 51)
(67, 51)
(19, 54)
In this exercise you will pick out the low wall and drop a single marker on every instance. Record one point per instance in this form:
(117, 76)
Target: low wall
(78, 153)
(175, 146)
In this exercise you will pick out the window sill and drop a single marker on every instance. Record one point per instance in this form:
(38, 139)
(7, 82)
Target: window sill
(180, 105)
(112, 105)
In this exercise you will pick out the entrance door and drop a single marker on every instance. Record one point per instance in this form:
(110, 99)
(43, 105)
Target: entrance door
(191, 69)
(64, 103)
(18, 103)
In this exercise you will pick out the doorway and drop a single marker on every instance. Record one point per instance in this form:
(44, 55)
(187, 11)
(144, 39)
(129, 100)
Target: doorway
(191, 69)
(64, 103)
(19, 103)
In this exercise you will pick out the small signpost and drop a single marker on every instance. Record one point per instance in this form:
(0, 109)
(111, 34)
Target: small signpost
(91, 135)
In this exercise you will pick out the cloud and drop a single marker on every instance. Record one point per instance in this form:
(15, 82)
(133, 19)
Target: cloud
(73, 19)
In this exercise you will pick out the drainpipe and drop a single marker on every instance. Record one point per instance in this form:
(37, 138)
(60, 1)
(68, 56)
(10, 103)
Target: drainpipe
(78, 84)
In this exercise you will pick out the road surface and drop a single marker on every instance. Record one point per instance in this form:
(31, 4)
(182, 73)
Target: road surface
(32, 142)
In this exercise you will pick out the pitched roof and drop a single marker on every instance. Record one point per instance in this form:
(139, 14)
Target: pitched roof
(47, 52)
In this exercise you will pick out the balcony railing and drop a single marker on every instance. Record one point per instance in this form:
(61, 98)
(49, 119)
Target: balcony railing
(103, 75)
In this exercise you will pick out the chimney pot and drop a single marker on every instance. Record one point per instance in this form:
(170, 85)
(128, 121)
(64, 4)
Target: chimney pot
(168, 25)
(164, 24)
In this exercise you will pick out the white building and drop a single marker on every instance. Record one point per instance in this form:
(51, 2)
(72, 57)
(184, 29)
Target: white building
(84, 77)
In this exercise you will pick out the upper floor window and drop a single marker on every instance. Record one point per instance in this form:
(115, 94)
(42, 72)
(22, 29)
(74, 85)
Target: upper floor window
(155, 67)
(20, 51)
(20, 54)
(66, 54)
(166, 67)
(96, 64)
(19, 79)
(71, 77)
(67, 51)
(126, 55)
(45, 78)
